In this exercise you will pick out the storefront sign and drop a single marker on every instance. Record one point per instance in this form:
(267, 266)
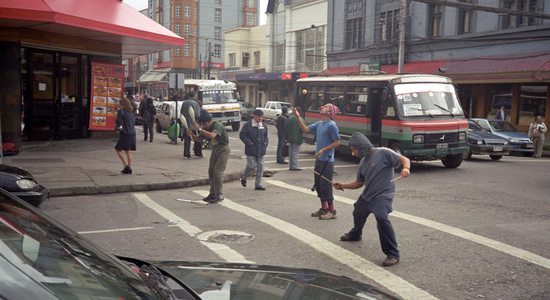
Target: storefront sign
(107, 89)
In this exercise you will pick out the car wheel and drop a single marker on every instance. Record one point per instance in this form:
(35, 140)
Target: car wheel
(452, 161)
(235, 126)
(157, 125)
(495, 157)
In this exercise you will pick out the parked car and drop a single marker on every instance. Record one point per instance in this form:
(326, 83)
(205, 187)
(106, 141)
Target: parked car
(482, 142)
(43, 259)
(246, 110)
(273, 109)
(166, 112)
(520, 142)
(22, 184)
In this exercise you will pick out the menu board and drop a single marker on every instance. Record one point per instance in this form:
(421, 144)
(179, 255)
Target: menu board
(107, 89)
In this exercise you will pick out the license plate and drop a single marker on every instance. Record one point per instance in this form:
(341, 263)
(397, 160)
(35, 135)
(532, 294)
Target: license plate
(442, 146)
(497, 148)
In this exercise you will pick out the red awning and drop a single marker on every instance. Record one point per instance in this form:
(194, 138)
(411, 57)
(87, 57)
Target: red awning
(531, 67)
(104, 20)
(422, 67)
(341, 70)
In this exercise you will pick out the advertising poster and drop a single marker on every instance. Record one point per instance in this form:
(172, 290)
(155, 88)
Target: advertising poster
(107, 90)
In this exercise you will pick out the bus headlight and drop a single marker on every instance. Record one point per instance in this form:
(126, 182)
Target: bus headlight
(462, 136)
(418, 139)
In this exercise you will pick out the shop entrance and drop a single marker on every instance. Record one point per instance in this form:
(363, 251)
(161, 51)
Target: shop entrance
(53, 99)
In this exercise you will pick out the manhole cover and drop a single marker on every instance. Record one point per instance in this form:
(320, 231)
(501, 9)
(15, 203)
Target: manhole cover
(225, 236)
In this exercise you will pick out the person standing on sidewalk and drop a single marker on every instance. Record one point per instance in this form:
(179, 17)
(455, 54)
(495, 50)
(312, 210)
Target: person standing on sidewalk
(536, 133)
(215, 131)
(328, 139)
(125, 122)
(293, 134)
(188, 103)
(376, 171)
(255, 138)
(281, 139)
(147, 111)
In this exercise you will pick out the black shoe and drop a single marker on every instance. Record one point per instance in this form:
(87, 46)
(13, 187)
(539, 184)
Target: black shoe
(126, 170)
(347, 238)
(215, 199)
(259, 188)
(297, 169)
(207, 198)
(283, 162)
(150, 141)
(243, 182)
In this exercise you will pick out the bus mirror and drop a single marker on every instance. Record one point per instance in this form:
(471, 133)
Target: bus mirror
(304, 91)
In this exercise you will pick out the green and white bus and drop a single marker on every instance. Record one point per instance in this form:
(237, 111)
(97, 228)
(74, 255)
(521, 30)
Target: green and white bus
(416, 115)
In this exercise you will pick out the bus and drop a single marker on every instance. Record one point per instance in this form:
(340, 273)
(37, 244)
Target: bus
(219, 98)
(416, 115)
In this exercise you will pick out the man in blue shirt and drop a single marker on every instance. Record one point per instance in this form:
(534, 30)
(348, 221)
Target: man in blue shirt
(327, 139)
(376, 171)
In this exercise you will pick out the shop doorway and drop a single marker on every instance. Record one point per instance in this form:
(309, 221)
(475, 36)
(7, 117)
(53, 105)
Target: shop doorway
(53, 98)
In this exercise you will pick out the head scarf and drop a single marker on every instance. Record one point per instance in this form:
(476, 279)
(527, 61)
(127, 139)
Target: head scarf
(331, 110)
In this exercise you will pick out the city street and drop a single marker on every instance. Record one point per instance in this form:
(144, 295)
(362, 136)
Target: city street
(476, 232)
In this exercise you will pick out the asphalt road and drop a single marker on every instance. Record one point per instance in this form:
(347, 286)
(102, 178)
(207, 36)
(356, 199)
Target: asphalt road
(476, 232)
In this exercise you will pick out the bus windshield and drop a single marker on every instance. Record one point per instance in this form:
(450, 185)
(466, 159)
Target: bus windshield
(218, 97)
(427, 99)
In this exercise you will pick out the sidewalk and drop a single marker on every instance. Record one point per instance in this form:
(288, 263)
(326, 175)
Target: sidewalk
(91, 166)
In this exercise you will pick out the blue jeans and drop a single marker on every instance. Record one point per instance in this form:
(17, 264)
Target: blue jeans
(254, 162)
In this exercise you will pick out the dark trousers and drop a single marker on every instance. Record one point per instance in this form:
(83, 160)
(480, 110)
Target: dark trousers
(280, 143)
(148, 130)
(197, 147)
(381, 209)
(322, 186)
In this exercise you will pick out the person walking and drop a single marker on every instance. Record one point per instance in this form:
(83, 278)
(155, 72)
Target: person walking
(190, 105)
(501, 113)
(293, 134)
(147, 111)
(126, 122)
(281, 139)
(327, 139)
(215, 131)
(537, 132)
(254, 135)
(375, 172)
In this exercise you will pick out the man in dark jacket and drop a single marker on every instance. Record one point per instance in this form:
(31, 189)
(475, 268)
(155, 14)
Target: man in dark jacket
(376, 171)
(147, 111)
(255, 139)
(280, 124)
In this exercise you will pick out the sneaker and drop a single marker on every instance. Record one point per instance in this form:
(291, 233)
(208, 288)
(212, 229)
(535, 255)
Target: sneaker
(259, 188)
(186, 157)
(215, 199)
(390, 261)
(347, 238)
(207, 198)
(318, 213)
(243, 182)
(328, 216)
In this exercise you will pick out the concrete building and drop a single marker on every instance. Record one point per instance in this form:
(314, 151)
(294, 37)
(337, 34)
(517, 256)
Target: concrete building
(496, 51)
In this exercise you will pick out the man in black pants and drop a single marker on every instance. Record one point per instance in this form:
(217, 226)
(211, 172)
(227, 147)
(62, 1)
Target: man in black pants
(280, 124)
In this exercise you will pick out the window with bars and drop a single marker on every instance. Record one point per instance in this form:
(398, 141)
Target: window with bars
(177, 51)
(250, 19)
(232, 59)
(512, 21)
(465, 18)
(177, 10)
(389, 29)
(187, 29)
(217, 51)
(354, 33)
(218, 15)
(218, 33)
(186, 49)
(187, 11)
(177, 29)
(435, 16)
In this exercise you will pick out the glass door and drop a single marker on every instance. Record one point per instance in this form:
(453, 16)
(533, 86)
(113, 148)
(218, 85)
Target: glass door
(42, 119)
(68, 97)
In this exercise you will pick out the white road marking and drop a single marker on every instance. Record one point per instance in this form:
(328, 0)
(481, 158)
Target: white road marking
(115, 230)
(394, 283)
(496, 245)
(221, 250)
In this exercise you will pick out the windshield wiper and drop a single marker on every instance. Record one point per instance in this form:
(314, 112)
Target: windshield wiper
(153, 275)
(442, 108)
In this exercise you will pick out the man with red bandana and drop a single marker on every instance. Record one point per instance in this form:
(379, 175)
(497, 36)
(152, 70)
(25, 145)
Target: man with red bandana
(327, 139)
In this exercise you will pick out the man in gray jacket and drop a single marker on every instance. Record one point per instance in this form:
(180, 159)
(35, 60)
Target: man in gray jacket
(376, 171)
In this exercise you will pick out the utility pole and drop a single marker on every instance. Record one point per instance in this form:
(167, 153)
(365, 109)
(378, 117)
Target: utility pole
(209, 59)
(402, 31)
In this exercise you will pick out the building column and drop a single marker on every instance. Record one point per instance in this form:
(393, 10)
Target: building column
(10, 92)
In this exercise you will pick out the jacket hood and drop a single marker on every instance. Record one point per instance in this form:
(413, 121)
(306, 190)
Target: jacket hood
(361, 143)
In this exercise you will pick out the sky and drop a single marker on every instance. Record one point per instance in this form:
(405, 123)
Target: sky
(142, 4)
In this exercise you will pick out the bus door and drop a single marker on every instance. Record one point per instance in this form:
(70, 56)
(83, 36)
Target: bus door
(374, 108)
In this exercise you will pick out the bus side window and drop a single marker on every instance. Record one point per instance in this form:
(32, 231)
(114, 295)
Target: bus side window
(388, 109)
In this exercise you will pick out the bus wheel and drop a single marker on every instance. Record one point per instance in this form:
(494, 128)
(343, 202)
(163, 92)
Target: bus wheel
(452, 161)
(495, 157)
(157, 125)
(235, 126)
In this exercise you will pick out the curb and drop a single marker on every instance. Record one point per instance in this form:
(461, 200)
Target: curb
(139, 187)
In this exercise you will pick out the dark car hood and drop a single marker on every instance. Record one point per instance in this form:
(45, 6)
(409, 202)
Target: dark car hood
(14, 171)
(511, 134)
(477, 134)
(267, 282)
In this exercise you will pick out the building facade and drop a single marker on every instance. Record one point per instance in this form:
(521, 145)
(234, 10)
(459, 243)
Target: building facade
(497, 52)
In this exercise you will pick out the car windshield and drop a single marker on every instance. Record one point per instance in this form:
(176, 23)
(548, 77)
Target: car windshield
(472, 125)
(218, 97)
(40, 259)
(502, 126)
(427, 99)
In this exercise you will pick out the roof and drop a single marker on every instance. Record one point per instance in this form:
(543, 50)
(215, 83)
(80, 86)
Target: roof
(417, 67)
(109, 21)
(155, 75)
